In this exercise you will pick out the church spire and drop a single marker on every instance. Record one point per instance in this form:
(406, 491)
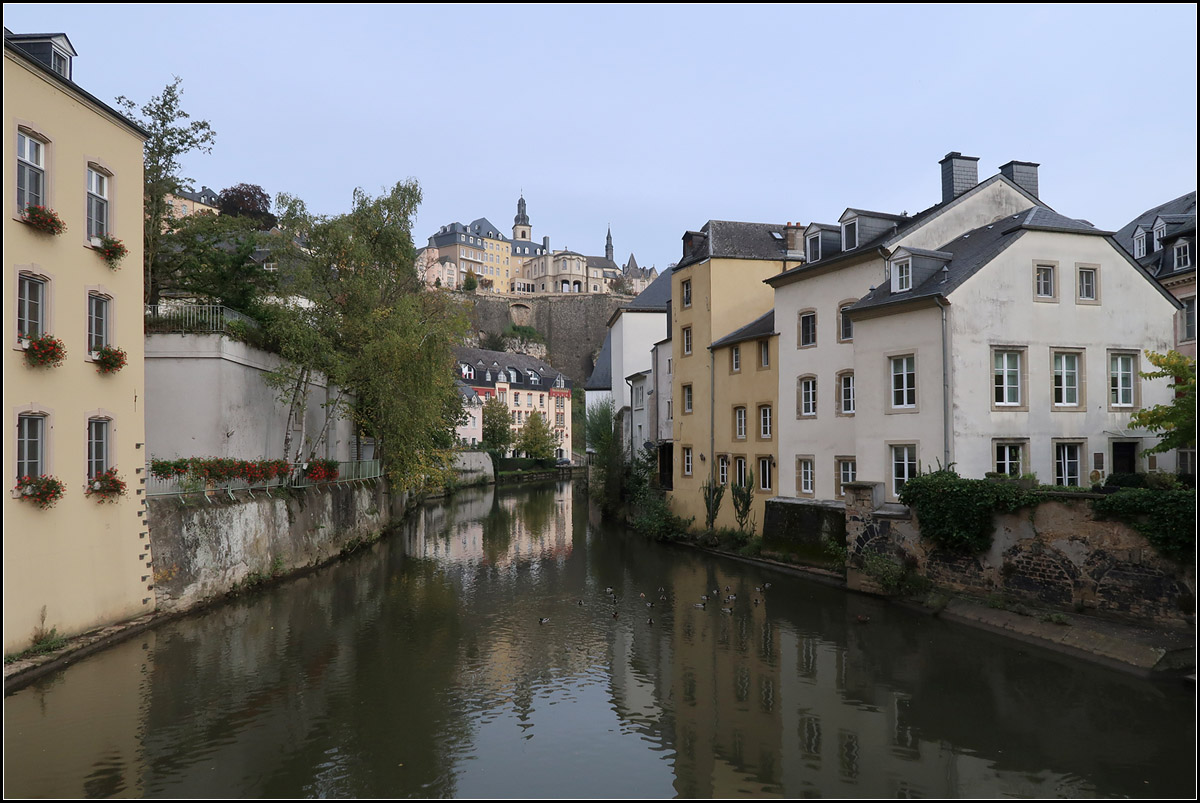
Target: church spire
(521, 228)
(608, 246)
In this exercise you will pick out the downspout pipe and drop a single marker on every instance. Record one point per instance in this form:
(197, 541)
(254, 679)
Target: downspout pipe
(632, 455)
(946, 402)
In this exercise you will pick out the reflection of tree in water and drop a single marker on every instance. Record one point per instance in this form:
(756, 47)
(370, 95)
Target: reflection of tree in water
(497, 532)
(537, 510)
(107, 777)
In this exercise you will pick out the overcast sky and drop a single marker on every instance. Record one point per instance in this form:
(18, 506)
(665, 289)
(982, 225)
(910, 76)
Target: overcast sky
(656, 119)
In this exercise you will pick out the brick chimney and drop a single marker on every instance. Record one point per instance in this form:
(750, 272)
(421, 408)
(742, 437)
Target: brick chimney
(1023, 174)
(959, 174)
(795, 238)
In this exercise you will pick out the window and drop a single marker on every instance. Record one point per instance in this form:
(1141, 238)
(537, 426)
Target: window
(1139, 245)
(97, 454)
(97, 323)
(31, 306)
(1043, 282)
(849, 235)
(687, 340)
(901, 276)
(735, 359)
(739, 423)
(904, 381)
(904, 466)
(1010, 458)
(1186, 461)
(97, 203)
(804, 475)
(1159, 233)
(687, 461)
(1066, 463)
(1188, 316)
(847, 471)
(846, 393)
(723, 470)
(31, 172)
(806, 403)
(846, 326)
(1006, 378)
(1067, 366)
(534, 378)
(764, 354)
(516, 399)
(739, 470)
(1121, 375)
(686, 287)
(808, 329)
(764, 473)
(764, 421)
(1183, 257)
(1087, 288)
(31, 446)
(813, 244)
(687, 399)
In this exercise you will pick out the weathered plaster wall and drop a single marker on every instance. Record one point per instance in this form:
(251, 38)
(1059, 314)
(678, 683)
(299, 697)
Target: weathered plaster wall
(203, 549)
(473, 466)
(1057, 554)
(573, 325)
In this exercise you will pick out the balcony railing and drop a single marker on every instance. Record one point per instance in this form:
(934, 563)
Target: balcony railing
(193, 318)
(348, 471)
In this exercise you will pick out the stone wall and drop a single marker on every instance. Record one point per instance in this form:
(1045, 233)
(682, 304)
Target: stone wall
(473, 466)
(1056, 554)
(573, 325)
(802, 527)
(204, 548)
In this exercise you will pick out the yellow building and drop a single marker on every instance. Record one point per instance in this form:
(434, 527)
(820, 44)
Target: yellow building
(80, 563)
(717, 290)
(189, 203)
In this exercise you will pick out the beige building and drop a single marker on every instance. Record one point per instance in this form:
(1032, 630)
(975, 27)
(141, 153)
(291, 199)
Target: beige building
(78, 564)
(189, 203)
(716, 289)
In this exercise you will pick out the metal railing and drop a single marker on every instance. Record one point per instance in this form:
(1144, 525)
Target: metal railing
(199, 318)
(348, 471)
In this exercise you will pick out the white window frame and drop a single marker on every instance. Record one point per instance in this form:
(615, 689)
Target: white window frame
(847, 471)
(739, 470)
(845, 325)
(98, 319)
(739, 423)
(847, 245)
(804, 472)
(1159, 234)
(1045, 283)
(846, 393)
(764, 474)
(764, 422)
(812, 247)
(808, 397)
(904, 465)
(1087, 283)
(99, 446)
(1067, 387)
(764, 354)
(31, 161)
(31, 311)
(686, 294)
(735, 359)
(1009, 457)
(97, 202)
(31, 445)
(808, 329)
(687, 461)
(687, 340)
(723, 470)
(906, 389)
(1068, 457)
(687, 399)
(1006, 378)
(1183, 255)
(1122, 380)
(902, 276)
(1187, 317)
(1139, 246)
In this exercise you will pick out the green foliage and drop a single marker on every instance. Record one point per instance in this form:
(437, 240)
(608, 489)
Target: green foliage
(523, 333)
(171, 138)
(471, 282)
(713, 492)
(247, 201)
(1167, 519)
(651, 513)
(956, 513)
(209, 255)
(1125, 481)
(1177, 420)
(492, 342)
(497, 425)
(743, 499)
(893, 577)
(608, 461)
(536, 438)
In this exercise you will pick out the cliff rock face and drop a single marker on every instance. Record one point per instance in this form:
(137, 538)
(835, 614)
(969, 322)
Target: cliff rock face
(573, 325)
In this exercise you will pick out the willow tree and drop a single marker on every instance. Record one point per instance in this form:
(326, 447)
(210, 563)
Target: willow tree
(359, 315)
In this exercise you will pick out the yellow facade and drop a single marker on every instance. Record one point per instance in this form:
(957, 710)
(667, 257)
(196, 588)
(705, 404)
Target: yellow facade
(724, 295)
(78, 564)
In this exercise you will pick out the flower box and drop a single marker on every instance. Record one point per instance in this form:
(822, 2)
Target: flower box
(43, 491)
(44, 351)
(111, 249)
(109, 359)
(107, 486)
(43, 219)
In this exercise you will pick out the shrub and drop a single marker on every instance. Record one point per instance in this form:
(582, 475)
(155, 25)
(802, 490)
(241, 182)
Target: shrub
(957, 514)
(43, 491)
(743, 499)
(1167, 519)
(1126, 480)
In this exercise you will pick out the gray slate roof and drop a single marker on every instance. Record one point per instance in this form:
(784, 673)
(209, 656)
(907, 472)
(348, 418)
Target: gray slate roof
(603, 263)
(523, 363)
(1180, 217)
(601, 378)
(656, 296)
(729, 239)
(762, 326)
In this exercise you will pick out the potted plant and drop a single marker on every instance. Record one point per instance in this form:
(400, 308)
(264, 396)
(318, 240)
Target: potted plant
(42, 491)
(321, 470)
(43, 219)
(111, 249)
(106, 486)
(109, 359)
(43, 351)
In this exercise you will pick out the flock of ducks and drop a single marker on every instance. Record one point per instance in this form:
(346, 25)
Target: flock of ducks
(729, 599)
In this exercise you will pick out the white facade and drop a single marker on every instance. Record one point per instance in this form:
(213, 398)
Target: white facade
(633, 333)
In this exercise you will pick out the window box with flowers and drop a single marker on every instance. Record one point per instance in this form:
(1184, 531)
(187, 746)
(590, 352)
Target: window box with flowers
(43, 351)
(43, 219)
(106, 486)
(109, 359)
(111, 249)
(321, 470)
(42, 491)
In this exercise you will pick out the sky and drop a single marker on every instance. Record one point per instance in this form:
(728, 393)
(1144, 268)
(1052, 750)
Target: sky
(652, 120)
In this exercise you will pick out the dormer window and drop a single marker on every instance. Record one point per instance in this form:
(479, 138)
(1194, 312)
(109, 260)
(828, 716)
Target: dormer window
(901, 275)
(1139, 245)
(60, 62)
(1159, 233)
(534, 379)
(1183, 256)
(468, 372)
(813, 247)
(850, 235)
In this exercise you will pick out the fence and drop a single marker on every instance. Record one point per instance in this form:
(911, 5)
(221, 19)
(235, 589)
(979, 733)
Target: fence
(348, 471)
(169, 317)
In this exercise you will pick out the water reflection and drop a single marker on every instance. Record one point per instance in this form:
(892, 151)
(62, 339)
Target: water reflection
(423, 668)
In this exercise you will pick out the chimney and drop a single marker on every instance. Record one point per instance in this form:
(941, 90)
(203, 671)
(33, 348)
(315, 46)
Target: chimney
(546, 244)
(693, 241)
(959, 174)
(795, 237)
(1023, 174)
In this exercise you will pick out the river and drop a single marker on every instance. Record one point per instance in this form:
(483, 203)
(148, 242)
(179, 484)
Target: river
(421, 667)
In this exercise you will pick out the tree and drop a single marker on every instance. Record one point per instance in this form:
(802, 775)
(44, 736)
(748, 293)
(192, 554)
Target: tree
(621, 285)
(536, 439)
(470, 282)
(713, 492)
(1177, 420)
(171, 136)
(743, 499)
(608, 463)
(248, 201)
(209, 255)
(497, 429)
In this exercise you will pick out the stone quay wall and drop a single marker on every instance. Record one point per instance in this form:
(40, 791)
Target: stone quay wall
(1055, 554)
